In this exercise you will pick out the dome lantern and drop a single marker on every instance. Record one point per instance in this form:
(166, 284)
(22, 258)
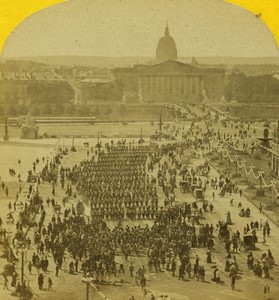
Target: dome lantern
(166, 49)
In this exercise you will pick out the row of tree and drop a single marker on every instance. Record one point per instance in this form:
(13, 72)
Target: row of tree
(252, 89)
(17, 92)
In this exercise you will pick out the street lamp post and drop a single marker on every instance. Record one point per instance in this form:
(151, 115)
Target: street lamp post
(273, 191)
(73, 142)
(160, 124)
(22, 250)
(9, 234)
(236, 161)
(58, 146)
(251, 169)
(6, 135)
(243, 167)
(261, 178)
(99, 135)
(87, 281)
(51, 155)
(22, 267)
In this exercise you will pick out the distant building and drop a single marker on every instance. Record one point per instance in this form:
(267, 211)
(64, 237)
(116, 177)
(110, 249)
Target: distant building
(169, 80)
(29, 76)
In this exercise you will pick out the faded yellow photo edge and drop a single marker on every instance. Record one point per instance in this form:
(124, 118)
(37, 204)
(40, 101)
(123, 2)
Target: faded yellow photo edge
(12, 13)
(267, 11)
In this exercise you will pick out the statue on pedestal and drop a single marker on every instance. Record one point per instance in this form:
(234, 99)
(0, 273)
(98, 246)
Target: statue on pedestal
(29, 130)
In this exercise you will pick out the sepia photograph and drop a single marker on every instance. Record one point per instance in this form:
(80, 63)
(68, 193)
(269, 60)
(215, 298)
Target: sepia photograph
(139, 153)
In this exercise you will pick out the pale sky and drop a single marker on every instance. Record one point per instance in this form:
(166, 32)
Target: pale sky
(133, 27)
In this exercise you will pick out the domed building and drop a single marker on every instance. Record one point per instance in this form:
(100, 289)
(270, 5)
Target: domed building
(168, 80)
(166, 49)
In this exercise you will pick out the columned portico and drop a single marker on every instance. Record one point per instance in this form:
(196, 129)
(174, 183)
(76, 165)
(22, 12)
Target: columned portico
(158, 83)
(170, 81)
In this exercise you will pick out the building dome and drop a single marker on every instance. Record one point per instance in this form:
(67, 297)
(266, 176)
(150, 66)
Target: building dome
(166, 49)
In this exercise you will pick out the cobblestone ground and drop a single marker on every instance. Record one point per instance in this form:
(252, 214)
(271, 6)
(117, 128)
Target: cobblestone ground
(70, 287)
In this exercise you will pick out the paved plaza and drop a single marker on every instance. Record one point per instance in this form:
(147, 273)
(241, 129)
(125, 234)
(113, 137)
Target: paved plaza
(162, 282)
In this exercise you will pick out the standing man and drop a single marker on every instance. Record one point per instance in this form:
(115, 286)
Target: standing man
(76, 265)
(30, 267)
(41, 281)
(56, 270)
(173, 267)
(5, 282)
(49, 284)
(7, 192)
(266, 291)
(131, 269)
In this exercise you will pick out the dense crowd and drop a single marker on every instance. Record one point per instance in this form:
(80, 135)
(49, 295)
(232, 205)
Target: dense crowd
(122, 183)
(117, 185)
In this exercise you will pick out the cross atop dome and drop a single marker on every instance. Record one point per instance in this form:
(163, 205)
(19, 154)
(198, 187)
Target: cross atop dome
(167, 32)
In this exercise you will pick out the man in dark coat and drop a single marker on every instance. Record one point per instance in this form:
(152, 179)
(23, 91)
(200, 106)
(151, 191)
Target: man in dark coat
(41, 281)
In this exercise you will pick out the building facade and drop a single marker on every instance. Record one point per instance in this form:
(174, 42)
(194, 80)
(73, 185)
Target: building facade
(169, 80)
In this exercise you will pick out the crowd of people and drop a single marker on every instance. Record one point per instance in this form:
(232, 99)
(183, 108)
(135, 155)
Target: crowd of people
(122, 184)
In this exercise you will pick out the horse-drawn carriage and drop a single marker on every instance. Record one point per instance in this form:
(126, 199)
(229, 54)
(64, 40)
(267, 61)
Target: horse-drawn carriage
(224, 234)
(249, 241)
(183, 171)
(203, 170)
(31, 178)
(193, 187)
(199, 194)
(184, 186)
